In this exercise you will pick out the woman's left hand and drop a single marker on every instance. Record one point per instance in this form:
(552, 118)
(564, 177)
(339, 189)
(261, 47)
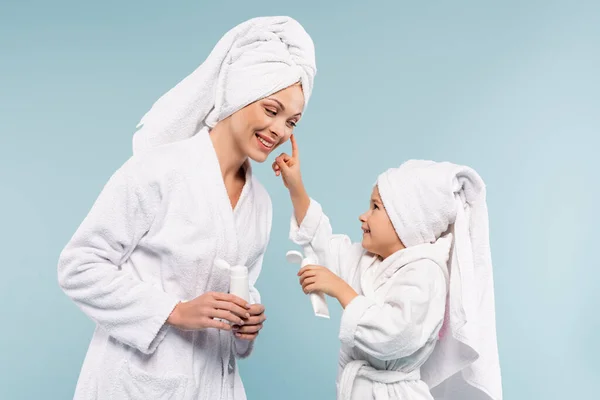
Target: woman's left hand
(252, 325)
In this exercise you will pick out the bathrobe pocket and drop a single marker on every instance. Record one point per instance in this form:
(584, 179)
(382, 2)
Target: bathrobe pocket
(134, 383)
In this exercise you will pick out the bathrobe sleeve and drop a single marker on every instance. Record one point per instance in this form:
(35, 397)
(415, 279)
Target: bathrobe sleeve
(130, 310)
(412, 312)
(334, 251)
(243, 348)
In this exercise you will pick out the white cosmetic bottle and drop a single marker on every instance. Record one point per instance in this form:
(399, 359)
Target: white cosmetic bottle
(238, 284)
(238, 279)
(317, 299)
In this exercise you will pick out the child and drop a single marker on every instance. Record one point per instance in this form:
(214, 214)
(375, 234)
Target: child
(423, 267)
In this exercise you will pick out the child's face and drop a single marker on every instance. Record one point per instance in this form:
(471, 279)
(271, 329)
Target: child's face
(379, 235)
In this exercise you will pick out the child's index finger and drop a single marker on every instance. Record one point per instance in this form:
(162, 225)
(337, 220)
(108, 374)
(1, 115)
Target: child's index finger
(295, 152)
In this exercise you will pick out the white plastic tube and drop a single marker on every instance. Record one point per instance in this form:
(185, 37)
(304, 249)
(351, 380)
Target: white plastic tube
(317, 299)
(238, 284)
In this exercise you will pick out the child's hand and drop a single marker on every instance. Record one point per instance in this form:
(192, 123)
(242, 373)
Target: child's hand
(289, 168)
(315, 278)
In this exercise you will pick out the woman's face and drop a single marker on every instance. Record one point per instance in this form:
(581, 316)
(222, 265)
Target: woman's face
(262, 126)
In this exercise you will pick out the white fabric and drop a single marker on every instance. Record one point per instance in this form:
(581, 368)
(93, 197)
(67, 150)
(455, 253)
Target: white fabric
(424, 199)
(150, 241)
(391, 328)
(378, 378)
(253, 60)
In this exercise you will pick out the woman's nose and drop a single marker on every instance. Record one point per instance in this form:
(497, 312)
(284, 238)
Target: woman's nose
(278, 128)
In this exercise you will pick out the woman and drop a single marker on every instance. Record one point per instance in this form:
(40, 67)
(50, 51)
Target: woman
(141, 264)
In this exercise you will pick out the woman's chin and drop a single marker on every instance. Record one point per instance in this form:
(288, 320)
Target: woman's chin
(258, 156)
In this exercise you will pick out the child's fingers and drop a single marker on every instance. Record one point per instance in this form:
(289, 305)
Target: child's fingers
(276, 168)
(309, 288)
(288, 161)
(284, 156)
(308, 281)
(307, 276)
(306, 268)
(281, 164)
(313, 268)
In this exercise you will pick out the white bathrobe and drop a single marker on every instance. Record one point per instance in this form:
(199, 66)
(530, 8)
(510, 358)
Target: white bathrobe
(150, 241)
(392, 327)
(424, 199)
(153, 235)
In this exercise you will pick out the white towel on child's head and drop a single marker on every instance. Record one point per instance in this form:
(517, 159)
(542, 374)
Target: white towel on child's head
(424, 199)
(253, 60)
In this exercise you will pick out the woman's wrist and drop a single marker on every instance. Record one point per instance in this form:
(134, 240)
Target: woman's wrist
(174, 318)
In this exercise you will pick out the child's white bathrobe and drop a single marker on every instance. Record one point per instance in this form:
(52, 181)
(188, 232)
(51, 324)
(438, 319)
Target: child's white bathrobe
(150, 241)
(391, 328)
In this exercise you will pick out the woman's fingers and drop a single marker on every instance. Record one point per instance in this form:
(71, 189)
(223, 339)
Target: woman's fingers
(232, 307)
(213, 323)
(255, 320)
(232, 299)
(249, 328)
(226, 315)
(246, 336)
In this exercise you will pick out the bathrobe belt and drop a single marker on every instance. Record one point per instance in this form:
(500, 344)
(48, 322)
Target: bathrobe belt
(379, 377)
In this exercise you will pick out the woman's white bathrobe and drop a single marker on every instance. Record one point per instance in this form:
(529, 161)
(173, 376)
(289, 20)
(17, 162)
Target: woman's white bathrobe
(392, 327)
(149, 242)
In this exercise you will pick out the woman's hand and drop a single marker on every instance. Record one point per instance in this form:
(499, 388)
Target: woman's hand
(204, 311)
(252, 325)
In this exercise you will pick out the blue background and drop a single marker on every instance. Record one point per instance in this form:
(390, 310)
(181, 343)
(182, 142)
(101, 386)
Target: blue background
(511, 88)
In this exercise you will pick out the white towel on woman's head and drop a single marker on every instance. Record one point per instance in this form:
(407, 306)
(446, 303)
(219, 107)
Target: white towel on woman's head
(424, 199)
(255, 59)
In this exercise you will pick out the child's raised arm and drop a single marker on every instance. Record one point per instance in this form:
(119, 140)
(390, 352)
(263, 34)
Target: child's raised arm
(310, 227)
(289, 169)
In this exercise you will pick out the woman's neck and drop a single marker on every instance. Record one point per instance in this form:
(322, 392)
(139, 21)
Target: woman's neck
(231, 158)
